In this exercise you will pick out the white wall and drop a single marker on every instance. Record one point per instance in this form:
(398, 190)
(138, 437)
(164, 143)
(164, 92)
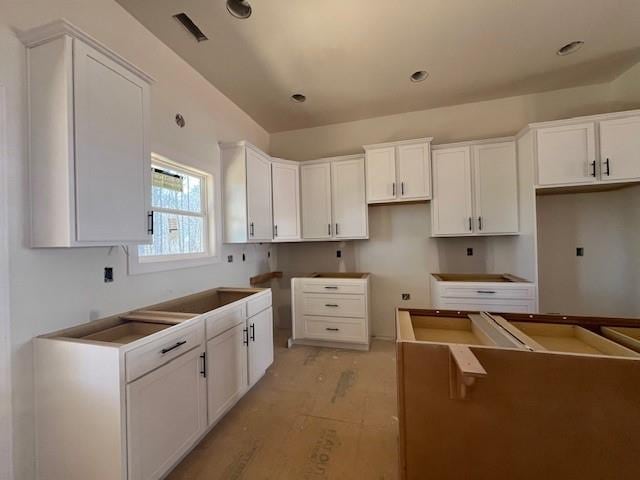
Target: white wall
(605, 280)
(51, 289)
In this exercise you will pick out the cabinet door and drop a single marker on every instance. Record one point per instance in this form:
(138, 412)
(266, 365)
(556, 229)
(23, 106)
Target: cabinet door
(620, 149)
(414, 175)
(381, 174)
(316, 200)
(496, 188)
(226, 370)
(166, 414)
(260, 344)
(349, 203)
(451, 210)
(112, 158)
(259, 216)
(567, 155)
(286, 201)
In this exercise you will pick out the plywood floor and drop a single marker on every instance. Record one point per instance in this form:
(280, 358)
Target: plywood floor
(317, 414)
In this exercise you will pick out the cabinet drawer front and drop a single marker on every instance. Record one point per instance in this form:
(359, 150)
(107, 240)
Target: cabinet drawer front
(150, 356)
(259, 304)
(334, 305)
(358, 288)
(487, 291)
(222, 321)
(322, 329)
(488, 305)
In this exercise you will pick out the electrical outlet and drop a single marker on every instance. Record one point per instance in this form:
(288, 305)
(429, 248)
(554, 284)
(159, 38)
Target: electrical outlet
(406, 296)
(580, 252)
(108, 274)
(229, 258)
(339, 253)
(469, 252)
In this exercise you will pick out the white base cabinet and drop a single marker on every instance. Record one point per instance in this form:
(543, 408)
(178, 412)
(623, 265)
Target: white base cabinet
(332, 310)
(128, 396)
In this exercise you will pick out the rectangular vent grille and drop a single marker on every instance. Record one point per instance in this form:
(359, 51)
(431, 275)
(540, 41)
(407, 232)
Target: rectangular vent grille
(191, 27)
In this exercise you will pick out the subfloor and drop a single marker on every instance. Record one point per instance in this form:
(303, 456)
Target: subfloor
(318, 413)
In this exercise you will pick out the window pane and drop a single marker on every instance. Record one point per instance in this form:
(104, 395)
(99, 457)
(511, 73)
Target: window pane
(176, 190)
(175, 235)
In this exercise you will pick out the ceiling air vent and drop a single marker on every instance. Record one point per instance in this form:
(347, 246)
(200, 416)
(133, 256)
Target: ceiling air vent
(191, 27)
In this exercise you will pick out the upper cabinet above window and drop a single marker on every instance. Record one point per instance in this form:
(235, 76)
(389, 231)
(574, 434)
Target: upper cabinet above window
(589, 150)
(89, 142)
(398, 171)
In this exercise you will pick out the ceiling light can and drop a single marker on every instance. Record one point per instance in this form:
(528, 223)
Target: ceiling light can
(298, 98)
(569, 48)
(419, 76)
(239, 8)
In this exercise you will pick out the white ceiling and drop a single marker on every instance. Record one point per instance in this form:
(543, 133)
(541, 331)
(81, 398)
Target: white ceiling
(352, 58)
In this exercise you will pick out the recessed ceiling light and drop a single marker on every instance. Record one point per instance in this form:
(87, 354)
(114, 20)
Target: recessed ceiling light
(419, 76)
(570, 48)
(298, 98)
(239, 8)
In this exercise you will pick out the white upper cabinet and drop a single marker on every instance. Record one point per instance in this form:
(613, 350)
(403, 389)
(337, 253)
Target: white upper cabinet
(620, 149)
(495, 173)
(567, 154)
(414, 173)
(475, 189)
(589, 150)
(381, 174)
(246, 186)
(398, 171)
(333, 199)
(90, 162)
(451, 209)
(285, 178)
(316, 201)
(348, 195)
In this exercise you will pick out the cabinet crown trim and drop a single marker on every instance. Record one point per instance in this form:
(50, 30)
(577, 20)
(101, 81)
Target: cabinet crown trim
(473, 143)
(58, 28)
(342, 158)
(398, 143)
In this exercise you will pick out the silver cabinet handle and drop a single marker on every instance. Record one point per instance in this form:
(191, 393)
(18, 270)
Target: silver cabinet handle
(402, 188)
(485, 291)
(253, 332)
(329, 228)
(330, 305)
(332, 329)
(607, 172)
(470, 224)
(245, 336)
(479, 223)
(150, 222)
(331, 287)
(251, 229)
(393, 189)
(593, 169)
(337, 231)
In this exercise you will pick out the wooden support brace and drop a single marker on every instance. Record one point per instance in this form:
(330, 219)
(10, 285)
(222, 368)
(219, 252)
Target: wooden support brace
(464, 369)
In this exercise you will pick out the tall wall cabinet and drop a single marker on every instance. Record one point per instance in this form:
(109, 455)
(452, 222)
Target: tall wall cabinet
(398, 171)
(333, 199)
(89, 142)
(475, 189)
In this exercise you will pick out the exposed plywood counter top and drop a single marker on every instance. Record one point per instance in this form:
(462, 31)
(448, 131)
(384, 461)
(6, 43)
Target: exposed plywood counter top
(478, 277)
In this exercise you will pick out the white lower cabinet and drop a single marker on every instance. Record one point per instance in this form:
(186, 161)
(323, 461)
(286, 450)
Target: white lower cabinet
(260, 344)
(227, 370)
(126, 397)
(166, 414)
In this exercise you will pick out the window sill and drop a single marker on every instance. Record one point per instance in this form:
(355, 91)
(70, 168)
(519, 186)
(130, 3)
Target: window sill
(137, 267)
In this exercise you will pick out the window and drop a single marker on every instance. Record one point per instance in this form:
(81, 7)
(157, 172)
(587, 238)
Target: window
(181, 220)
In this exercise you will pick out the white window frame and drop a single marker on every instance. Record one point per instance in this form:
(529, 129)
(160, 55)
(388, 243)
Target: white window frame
(157, 263)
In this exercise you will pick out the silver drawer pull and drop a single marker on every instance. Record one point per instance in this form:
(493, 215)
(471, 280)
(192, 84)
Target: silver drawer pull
(332, 329)
(177, 345)
(485, 291)
(331, 288)
(331, 305)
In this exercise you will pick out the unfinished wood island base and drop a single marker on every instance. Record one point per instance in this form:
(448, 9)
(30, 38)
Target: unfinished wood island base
(517, 396)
